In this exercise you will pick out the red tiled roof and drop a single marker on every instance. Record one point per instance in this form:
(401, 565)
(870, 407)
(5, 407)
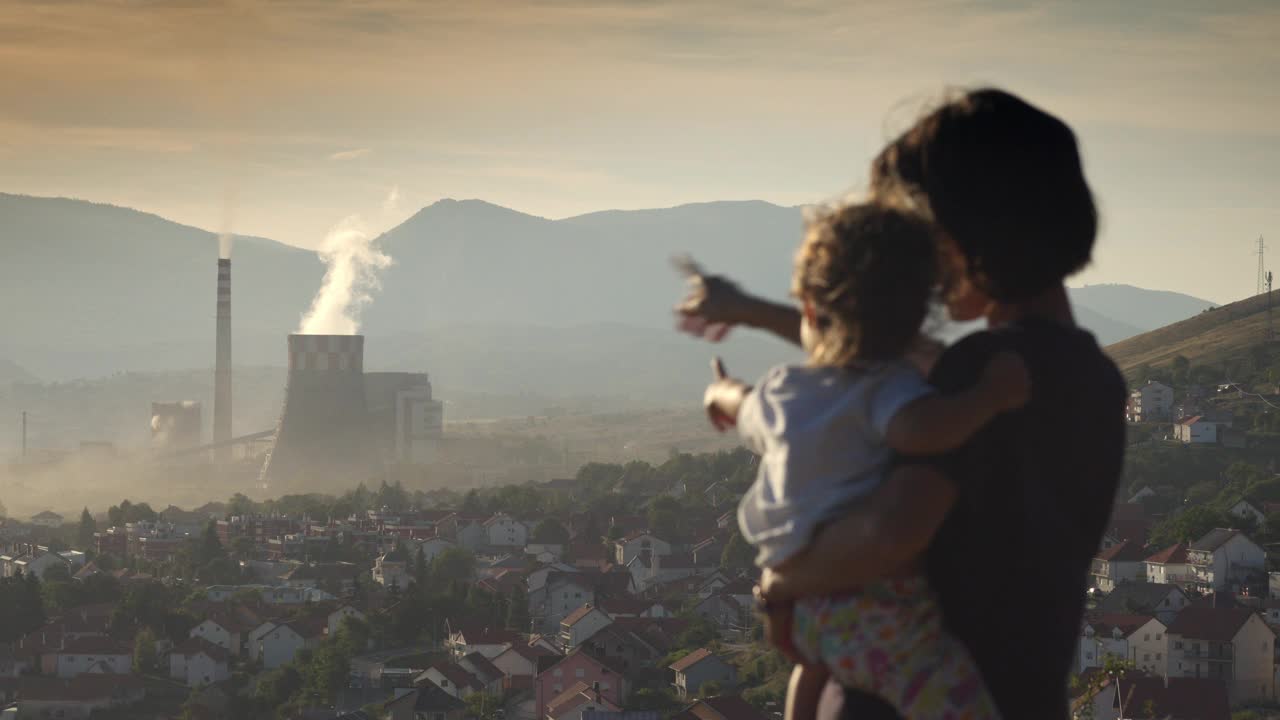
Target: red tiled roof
(1129, 521)
(1183, 699)
(572, 618)
(457, 675)
(196, 645)
(483, 667)
(1123, 551)
(1215, 624)
(1126, 623)
(723, 707)
(691, 659)
(1172, 555)
(93, 645)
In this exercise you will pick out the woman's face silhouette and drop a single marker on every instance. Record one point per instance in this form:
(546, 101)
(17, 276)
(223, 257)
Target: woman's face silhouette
(965, 302)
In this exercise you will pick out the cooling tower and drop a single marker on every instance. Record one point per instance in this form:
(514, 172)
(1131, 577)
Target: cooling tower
(222, 357)
(323, 435)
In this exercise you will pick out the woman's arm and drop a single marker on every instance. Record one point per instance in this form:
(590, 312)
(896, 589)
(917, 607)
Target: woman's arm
(879, 536)
(715, 299)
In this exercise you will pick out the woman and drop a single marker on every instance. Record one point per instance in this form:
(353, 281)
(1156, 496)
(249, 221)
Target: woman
(1009, 523)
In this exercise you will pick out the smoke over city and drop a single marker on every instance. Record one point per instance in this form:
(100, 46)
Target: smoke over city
(353, 262)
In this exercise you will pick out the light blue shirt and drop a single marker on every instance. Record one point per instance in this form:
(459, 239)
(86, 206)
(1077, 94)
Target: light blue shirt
(819, 432)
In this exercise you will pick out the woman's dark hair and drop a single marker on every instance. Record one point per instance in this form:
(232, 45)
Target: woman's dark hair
(1002, 178)
(870, 271)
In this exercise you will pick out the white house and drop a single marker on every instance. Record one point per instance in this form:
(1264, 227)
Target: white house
(1152, 401)
(561, 594)
(521, 660)
(334, 619)
(1139, 639)
(1247, 510)
(1195, 430)
(39, 563)
(504, 531)
(432, 547)
(254, 638)
(1117, 564)
(1145, 598)
(48, 519)
(452, 679)
(1225, 559)
(1169, 566)
(392, 569)
(1233, 644)
(282, 643)
(92, 654)
(199, 662)
(488, 641)
(640, 544)
(222, 632)
(581, 624)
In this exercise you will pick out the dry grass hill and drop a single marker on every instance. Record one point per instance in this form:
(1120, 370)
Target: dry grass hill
(1212, 336)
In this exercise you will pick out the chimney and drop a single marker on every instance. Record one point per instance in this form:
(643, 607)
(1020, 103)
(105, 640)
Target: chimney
(222, 359)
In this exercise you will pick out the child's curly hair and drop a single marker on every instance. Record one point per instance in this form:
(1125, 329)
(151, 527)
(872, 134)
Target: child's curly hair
(870, 270)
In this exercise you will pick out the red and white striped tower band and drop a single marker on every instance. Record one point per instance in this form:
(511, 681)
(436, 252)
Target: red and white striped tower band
(222, 359)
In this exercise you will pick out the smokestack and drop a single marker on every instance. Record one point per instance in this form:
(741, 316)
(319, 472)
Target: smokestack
(323, 432)
(222, 359)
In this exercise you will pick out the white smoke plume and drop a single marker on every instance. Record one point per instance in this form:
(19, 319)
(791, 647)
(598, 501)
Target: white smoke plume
(392, 202)
(352, 276)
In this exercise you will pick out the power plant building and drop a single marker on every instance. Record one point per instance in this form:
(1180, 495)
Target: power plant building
(340, 424)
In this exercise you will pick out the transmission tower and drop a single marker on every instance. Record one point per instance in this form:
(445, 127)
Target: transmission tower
(1262, 273)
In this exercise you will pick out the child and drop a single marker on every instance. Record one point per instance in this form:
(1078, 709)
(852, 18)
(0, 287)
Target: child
(864, 276)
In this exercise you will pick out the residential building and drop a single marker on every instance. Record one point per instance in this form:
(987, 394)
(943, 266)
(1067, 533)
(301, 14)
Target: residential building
(699, 667)
(392, 569)
(504, 531)
(581, 624)
(199, 662)
(1152, 401)
(640, 544)
(50, 697)
(1139, 639)
(721, 707)
(225, 632)
(578, 666)
(579, 700)
(48, 519)
(1248, 510)
(1138, 697)
(92, 654)
(1231, 644)
(1226, 559)
(522, 661)
(425, 703)
(1169, 566)
(1196, 430)
(1164, 602)
(282, 642)
(451, 678)
(335, 618)
(560, 595)
(1118, 563)
(464, 639)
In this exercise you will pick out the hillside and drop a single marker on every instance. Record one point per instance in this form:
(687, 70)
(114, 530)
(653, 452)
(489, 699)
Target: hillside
(1137, 308)
(1212, 336)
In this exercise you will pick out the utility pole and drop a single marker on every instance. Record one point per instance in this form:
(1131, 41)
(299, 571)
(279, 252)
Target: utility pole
(1261, 266)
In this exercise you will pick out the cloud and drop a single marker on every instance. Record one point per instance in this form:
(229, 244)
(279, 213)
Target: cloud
(350, 154)
(392, 202)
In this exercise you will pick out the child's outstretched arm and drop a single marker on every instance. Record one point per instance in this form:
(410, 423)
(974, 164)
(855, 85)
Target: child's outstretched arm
(939, 423)
(723, 397)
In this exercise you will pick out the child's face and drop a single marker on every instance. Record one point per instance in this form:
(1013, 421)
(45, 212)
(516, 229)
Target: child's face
(808, 327)
(965, 302)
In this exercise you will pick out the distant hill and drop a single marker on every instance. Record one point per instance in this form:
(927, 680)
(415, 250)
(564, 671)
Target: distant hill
(508, 310)
(1211, 336)
(11, 372)
(1137, 308)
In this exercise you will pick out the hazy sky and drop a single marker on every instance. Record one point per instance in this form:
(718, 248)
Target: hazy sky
(279, 119)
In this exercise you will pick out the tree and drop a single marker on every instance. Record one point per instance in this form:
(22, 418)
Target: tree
(471, 504)
(483, 706)
(84, 534)
(59, 573)
(518, 617)
(421, 570)
(3, 511)
(550, 532)
(243, 547)
(144, 652)
(210, 547)
(1190, 525)
(657, 700)
(664, 517)
(452, 565)
(240, 505)
(710, 688)
(737, 556)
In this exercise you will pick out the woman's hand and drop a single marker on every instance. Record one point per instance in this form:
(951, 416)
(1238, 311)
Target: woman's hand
(723, 398)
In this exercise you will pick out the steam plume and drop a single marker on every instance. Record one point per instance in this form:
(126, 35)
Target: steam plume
(353, 264)
(224, 246)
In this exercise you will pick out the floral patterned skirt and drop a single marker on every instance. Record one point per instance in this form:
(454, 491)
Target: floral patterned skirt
(888, 640)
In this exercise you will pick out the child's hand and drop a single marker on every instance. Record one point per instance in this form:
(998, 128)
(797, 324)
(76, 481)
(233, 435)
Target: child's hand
(1006, 381)
(723, 397)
